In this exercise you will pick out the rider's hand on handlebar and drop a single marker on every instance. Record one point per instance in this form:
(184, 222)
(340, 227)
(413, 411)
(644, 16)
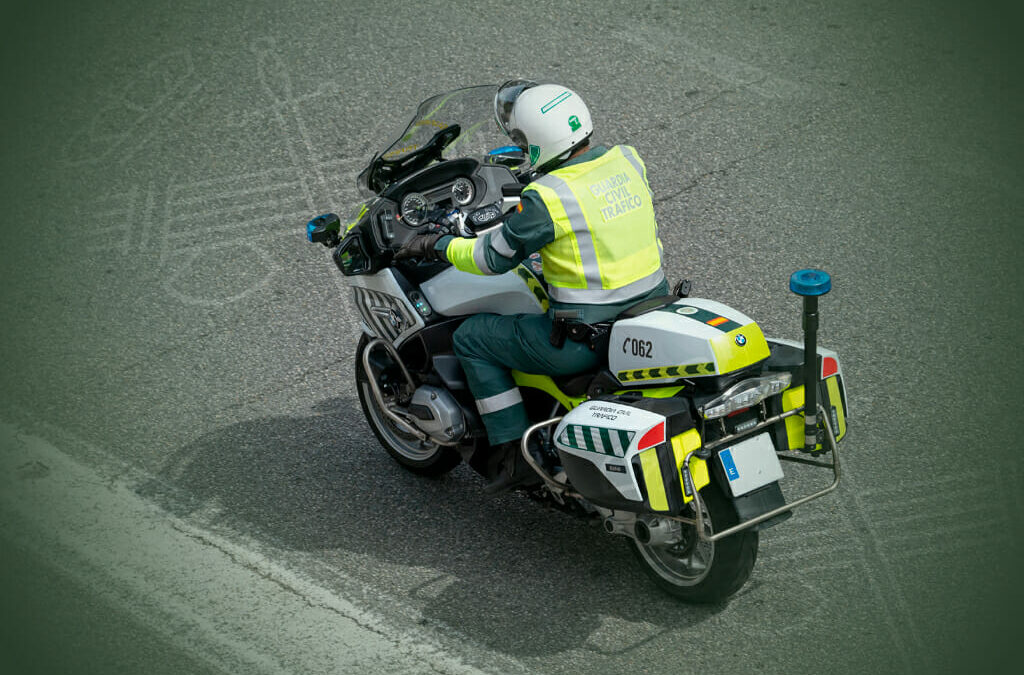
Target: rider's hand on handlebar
(421, 246)
(434, 228)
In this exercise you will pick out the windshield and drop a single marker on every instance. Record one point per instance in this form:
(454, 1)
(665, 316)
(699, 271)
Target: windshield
(470, 109)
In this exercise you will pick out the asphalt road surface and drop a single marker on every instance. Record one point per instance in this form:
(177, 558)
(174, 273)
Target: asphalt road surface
(187, 478)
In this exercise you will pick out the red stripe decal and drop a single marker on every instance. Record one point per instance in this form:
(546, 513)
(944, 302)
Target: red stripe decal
(829, 367)
(655, 436)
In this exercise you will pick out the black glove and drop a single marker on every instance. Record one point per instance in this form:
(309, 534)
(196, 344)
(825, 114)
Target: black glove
(421, 246)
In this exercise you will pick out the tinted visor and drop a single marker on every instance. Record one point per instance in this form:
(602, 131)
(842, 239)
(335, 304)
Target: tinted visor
(505, 99)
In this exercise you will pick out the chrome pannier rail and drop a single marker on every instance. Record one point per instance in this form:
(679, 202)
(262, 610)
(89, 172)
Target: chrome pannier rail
(560, 489)
(834, 465)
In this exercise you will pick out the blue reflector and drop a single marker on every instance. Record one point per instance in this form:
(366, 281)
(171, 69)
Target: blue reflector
(505, 148)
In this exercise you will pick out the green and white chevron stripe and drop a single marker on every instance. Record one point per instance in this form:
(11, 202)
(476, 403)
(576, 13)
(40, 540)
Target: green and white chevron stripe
(612, 442)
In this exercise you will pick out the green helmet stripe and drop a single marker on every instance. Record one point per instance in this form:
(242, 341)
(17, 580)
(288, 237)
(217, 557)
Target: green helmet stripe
(547, 107)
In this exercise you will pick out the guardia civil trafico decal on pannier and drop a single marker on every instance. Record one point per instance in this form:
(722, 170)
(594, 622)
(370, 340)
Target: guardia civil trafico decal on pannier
(624, 454)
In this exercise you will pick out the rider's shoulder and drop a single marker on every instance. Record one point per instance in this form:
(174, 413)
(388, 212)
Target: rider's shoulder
(590, 155)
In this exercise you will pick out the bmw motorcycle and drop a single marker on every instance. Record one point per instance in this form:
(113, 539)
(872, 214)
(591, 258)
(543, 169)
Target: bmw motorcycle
(676, 443)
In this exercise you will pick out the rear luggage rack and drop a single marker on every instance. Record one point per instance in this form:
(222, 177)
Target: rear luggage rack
(785, 456)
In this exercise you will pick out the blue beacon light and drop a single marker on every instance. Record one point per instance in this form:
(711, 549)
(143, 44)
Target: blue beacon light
(810, 284)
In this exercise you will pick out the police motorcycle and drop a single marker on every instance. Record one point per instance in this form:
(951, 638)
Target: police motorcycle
(676, 443)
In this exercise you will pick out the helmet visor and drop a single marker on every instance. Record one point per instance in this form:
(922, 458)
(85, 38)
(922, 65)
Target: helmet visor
(505, 100)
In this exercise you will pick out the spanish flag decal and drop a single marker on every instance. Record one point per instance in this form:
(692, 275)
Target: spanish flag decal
(706, 317)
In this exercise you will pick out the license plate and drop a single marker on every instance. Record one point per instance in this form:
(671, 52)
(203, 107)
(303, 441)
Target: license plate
(750, 464)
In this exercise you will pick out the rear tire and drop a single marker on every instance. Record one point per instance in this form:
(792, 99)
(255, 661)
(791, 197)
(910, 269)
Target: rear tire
(423, 457)
(697, 571)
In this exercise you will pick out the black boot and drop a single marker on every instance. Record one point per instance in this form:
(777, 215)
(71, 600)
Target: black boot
(513, 470)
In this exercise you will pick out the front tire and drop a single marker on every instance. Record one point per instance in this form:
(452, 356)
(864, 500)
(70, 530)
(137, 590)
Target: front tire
(697, 571)
(423, 457)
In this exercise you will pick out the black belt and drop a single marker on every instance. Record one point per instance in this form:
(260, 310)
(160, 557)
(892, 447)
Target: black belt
(566, 324)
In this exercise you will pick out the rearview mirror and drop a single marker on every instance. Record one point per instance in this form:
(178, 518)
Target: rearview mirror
(350, 256)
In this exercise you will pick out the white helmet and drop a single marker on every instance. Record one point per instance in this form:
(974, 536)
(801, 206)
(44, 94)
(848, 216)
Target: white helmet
(546, 120)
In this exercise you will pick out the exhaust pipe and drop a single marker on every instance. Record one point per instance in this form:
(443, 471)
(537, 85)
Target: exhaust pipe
(642, 532)
(656, 531)
(810, 284)
(620, 522)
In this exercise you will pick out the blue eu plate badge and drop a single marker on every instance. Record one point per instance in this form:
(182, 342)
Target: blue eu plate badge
(750, 464)
(731, 472)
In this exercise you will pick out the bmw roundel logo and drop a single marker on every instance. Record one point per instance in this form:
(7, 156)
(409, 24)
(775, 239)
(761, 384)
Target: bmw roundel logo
(741, 340)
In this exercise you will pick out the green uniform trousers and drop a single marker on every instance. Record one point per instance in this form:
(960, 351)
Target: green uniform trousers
(490, 345)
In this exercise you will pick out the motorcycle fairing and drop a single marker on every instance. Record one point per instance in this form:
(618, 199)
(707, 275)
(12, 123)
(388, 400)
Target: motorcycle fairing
(547, 384)
(384, 306)
(457, 293)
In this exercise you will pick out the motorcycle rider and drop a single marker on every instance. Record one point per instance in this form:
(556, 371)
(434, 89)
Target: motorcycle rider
(588, 211)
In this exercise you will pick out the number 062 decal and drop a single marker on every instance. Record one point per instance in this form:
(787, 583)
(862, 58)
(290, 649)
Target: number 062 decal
(636, 347)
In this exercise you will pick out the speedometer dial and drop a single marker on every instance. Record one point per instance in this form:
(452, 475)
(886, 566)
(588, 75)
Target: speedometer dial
(463, 191)
(414, 205)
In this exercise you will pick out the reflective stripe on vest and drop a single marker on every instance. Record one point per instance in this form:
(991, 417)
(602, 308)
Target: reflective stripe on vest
(605, 248)
(605, 296)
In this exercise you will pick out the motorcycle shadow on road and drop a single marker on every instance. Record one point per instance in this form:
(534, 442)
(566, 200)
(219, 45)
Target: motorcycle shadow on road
(509, 573)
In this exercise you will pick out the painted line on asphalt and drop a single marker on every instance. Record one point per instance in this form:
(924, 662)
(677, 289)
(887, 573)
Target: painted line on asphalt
(235, 609)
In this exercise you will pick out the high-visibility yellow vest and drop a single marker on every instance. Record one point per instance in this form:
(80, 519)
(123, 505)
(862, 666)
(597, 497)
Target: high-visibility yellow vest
(606, 247)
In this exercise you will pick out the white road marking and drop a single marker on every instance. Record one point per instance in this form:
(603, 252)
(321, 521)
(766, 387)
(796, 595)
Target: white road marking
(226, 605)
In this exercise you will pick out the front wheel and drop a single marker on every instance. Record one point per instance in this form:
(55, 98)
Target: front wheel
(423, 457)
(700, 571)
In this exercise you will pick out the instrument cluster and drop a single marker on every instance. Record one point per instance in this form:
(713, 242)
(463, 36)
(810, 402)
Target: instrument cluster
(461, 196)
(452, 194)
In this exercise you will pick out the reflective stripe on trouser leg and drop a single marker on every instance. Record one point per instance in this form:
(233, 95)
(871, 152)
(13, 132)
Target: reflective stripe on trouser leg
(488, 346)
(500, 401)
(502, 412)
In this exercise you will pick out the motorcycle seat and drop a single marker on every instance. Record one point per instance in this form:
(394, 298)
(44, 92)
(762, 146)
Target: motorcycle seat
(645, 306)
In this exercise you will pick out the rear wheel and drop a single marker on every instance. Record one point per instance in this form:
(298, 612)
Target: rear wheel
(423, 457)
(699, 571)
